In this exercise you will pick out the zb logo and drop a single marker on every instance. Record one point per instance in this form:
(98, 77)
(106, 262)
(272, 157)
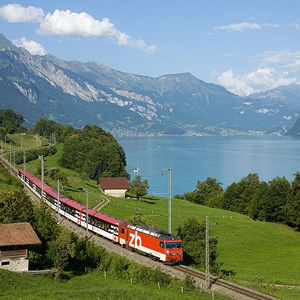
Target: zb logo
(135, 240)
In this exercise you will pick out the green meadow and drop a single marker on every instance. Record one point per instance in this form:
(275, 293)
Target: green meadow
(22, 141)
(252, 252)
(90, 286)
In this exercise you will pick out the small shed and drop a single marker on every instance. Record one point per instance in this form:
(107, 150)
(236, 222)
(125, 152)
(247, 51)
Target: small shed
(114, 186)
(15, 239)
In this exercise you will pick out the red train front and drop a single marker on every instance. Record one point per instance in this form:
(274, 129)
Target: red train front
(157, 244)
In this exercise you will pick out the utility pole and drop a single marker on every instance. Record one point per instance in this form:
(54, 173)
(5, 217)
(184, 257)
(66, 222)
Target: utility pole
(42, 175)
(10, 155)
(24, 168)
(170, 199)
(207, 254)
(87, 215)
(58, 196)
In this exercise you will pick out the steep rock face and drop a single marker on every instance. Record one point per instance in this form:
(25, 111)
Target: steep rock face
(86, 93)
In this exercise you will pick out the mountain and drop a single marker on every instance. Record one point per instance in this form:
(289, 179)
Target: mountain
(295, 130)
(80, 93)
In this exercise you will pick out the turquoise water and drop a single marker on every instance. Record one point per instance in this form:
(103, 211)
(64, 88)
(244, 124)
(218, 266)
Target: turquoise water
(227, 159)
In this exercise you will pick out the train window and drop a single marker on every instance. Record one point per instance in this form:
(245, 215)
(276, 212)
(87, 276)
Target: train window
(162, 245)
(171, 245)
(122, 230)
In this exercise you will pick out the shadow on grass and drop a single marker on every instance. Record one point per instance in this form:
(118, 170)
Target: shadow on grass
(92, 186)
(228, 272)
(148, 202)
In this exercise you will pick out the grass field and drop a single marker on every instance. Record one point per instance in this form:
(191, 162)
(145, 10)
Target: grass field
(28, 141)
(91, 286)
(251, 251)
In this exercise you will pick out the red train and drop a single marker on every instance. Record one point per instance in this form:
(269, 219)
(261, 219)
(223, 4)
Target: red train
(157, 244)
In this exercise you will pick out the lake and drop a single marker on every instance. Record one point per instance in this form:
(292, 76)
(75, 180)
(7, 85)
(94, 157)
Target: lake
(193, 158)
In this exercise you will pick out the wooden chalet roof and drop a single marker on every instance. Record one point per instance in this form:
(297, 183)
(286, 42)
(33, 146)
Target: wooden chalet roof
(113, 183)
(18, 234)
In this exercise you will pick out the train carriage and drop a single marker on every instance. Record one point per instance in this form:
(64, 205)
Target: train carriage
(104, 225)
(31, 181)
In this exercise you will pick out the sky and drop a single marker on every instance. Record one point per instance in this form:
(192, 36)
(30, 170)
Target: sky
(245, 46)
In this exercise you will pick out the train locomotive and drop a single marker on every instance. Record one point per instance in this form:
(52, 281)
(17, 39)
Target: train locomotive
(157, 244)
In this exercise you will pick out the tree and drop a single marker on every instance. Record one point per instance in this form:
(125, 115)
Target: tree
(61, 176)
(10, 122)
(257, 208)
(61, 250)
(209, 188)
(245, 191)
(292, 206)
(47, 128)
(279, 192)
(44, 224)
(138, 187)
(47, 230)
(94, 152)
(192, 233)
(230, 196)
(15, 207)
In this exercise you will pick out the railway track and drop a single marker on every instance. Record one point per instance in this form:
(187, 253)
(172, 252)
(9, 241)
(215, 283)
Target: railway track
(225, 287)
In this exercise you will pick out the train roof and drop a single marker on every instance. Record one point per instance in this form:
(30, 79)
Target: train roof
(153, 232)
(32, 178)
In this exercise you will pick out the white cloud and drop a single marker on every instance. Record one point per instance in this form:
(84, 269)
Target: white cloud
(82, 24)
(31, 46)
(15, 13)
(239, 26)
(285, 59)
(257, 81)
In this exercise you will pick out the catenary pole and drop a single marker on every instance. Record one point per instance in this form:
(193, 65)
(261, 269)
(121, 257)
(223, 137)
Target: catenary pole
(207, 253)
(24, 165)
(42, 175)
(58, 196)
(10, 155)
(87, 215)
(170, 199)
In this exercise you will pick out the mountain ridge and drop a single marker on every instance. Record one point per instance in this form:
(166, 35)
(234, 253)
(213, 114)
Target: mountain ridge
(82, 93)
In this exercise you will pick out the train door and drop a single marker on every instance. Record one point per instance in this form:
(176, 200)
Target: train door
(115, 233)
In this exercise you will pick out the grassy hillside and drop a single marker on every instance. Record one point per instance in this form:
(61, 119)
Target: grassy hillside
(7, 182)
(250, 251)
(28, 141)
(91, 286)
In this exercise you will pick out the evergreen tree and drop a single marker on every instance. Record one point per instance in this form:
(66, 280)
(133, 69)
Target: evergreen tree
(292, 207)
(230, 196)
(279, 193)
(246, 190)
(257, 208)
